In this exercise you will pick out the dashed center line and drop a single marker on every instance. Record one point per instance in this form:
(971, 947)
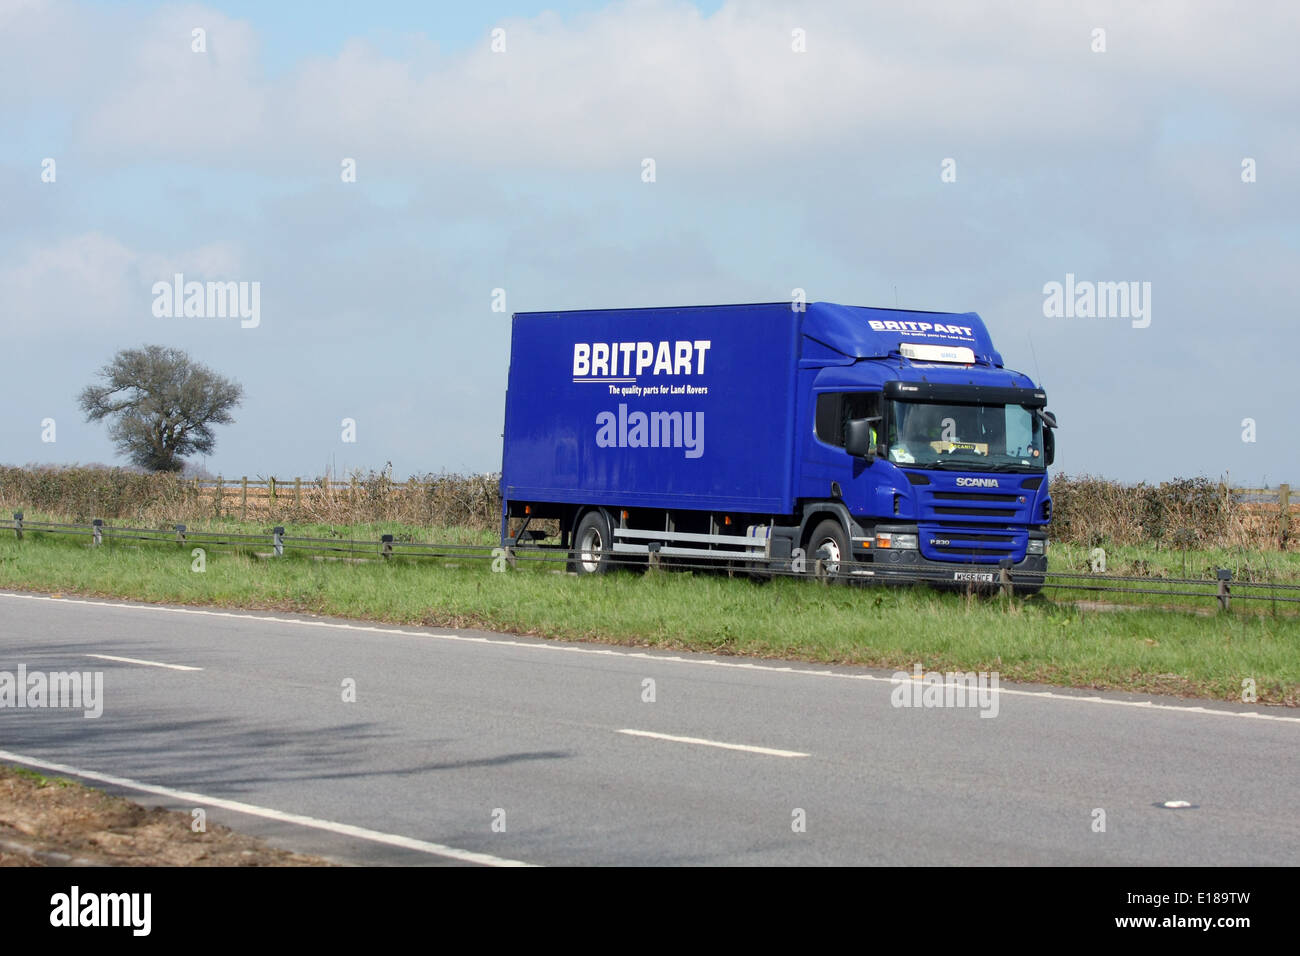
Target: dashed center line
(136, 660)
(769, 751)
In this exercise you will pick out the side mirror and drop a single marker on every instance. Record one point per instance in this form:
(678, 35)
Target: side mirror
(1049, 446)
(857, 439)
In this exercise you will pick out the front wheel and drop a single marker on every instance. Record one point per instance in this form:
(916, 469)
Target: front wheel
(593, 543)
(829, 543)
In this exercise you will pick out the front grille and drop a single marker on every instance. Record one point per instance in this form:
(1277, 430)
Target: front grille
(1001, 506)
(956, 543)
(973, 496)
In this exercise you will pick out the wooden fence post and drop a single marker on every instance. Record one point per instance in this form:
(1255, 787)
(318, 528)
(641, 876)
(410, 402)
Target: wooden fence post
(1224, 575)
(297, 492)
(1284, 521)
(243, 499)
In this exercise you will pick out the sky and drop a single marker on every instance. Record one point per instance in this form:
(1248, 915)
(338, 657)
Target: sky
(958, 156)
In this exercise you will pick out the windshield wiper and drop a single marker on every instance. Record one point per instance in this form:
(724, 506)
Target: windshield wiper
(966, 464)
(1013, 467)
(959, 464)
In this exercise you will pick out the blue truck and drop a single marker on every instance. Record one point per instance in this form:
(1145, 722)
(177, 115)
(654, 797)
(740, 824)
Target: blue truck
(882, 443)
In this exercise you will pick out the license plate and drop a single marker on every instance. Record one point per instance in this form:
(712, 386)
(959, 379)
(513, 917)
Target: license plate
(984, 576)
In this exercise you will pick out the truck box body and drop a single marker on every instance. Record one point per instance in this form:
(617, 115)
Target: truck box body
(670, 414)
(680, 417)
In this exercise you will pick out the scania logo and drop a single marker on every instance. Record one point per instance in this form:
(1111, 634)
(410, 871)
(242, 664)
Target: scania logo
(977, 483)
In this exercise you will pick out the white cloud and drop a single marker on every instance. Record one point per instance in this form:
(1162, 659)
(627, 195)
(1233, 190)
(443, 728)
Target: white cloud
(168, 101)
(95, 280)
(657, 78)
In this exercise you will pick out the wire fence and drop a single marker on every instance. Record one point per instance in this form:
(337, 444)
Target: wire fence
(277, 542)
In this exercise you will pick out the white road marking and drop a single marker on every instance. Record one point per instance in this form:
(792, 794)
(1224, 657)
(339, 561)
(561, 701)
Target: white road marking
(769, 751)
(343, 829)
(641, 655)
(136, 660)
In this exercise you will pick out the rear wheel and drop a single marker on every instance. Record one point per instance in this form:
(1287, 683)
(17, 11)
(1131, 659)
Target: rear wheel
(593, 542)
(829, 543)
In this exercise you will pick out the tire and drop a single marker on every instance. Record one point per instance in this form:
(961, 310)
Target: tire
(829, 534)
(592, 541)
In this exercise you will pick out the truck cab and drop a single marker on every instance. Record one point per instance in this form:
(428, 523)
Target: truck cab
(937, 453)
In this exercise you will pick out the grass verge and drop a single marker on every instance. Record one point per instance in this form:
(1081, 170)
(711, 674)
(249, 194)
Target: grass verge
(1038, 640)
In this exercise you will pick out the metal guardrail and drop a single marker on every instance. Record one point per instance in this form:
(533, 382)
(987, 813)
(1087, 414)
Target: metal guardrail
(1221, 588)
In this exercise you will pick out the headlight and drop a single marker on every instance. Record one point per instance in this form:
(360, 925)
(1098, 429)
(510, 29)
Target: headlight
(886, 539)
(1037, 546)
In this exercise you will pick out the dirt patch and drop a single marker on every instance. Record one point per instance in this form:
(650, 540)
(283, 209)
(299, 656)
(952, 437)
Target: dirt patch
(53, 822)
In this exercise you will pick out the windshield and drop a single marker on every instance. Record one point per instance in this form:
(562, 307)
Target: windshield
(969, 437)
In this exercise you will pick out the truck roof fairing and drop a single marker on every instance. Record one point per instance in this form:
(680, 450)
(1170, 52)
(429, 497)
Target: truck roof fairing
(860, 332)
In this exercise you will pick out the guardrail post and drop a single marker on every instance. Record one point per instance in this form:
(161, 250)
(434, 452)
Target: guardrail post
(277, 539)
(97, 532)
(18, 525)
(386, 549)
(1004, 577)
(1225, 593)
(243, 498)
(654, 547)
(180, 534)
(1284, 521)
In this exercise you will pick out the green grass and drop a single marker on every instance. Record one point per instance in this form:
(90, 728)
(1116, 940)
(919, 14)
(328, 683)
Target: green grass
(1172, 562)
(1038, 640)
(1152, 568)
(39, 779)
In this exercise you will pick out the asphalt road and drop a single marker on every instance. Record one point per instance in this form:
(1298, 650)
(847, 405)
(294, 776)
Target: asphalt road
(467, 747)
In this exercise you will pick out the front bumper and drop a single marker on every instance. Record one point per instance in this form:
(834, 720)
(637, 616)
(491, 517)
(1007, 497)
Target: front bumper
(910, 564)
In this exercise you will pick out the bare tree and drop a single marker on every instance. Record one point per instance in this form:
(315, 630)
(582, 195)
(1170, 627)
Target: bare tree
(162, 405)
